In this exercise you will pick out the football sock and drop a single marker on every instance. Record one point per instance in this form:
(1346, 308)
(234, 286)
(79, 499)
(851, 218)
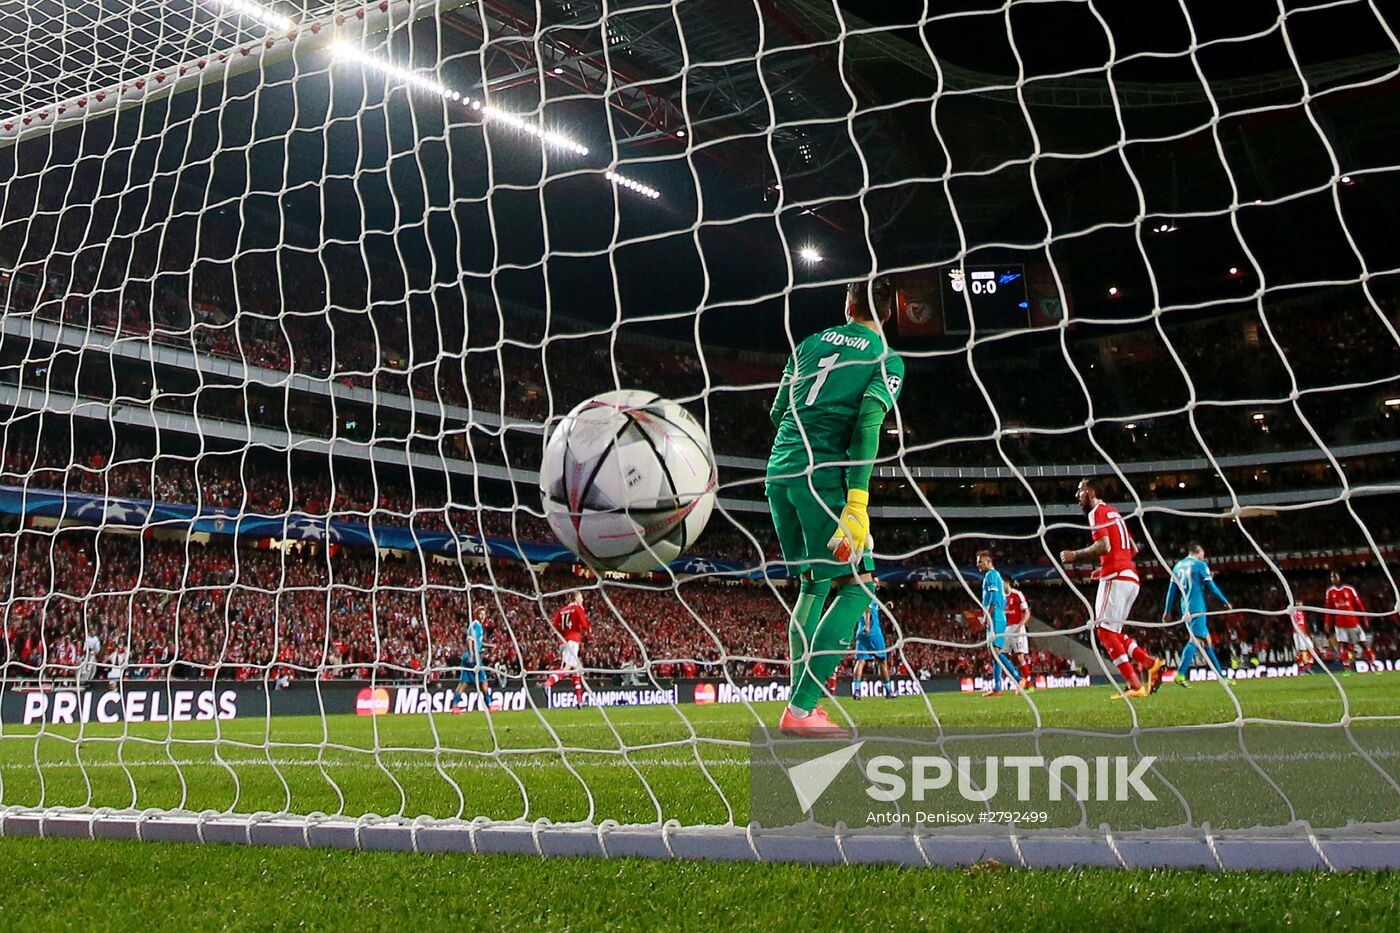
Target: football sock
(1010, 665)
(1117, 650)
(1188, 657)
(801, 627)
(1003, 665)
(830, 641)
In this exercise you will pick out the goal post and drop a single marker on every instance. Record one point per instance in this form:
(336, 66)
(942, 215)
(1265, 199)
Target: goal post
(296, 294)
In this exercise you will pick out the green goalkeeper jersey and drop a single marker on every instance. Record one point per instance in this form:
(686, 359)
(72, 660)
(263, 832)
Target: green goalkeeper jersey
(815, 410)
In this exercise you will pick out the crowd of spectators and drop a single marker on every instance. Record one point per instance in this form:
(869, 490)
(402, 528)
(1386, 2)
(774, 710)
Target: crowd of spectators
(265, 483)
(175, 608)
(251, 485)
(165, 607)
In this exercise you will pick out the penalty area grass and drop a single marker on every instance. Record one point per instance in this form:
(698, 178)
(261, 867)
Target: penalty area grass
(630, 764)
(67, 884)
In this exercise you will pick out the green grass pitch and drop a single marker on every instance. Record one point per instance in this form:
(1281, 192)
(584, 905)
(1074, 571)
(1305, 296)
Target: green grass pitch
(73, 884)
(457, 765)
(636, 764)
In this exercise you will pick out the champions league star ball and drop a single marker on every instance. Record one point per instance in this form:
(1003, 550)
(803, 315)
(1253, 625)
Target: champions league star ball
(628, 481)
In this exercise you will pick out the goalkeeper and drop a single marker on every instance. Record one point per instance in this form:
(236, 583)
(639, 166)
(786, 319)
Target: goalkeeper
(836, 390)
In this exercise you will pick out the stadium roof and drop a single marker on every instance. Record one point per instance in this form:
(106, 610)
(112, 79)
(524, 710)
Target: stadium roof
(771, 125)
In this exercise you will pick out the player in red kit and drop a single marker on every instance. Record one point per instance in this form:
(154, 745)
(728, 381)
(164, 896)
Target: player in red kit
(1017, 611)
(1348, 626)
(571, 622)
(1302, 642)
(1118, 588)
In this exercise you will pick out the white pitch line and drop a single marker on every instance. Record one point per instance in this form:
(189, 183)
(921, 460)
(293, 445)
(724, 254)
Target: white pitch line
(547, 761)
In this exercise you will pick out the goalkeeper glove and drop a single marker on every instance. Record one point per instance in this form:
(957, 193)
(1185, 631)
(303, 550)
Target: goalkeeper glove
(852, 528)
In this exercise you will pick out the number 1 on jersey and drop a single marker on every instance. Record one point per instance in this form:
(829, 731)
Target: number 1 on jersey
(823, 370)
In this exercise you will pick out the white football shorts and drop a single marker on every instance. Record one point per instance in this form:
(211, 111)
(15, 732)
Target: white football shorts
(568, 655)
(1115, 599)
(1353, 635)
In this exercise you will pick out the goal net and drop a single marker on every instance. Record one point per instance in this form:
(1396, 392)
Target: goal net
(295, 292)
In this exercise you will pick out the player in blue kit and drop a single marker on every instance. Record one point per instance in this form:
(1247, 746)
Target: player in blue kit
(475, 674)
(870, 646)
(994, 615)
(1191, 579)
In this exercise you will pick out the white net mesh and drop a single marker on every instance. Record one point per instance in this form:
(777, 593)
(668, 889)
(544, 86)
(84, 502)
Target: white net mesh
(293, 294)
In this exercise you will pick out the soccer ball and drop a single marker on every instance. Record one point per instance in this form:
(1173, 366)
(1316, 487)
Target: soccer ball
(628, 481)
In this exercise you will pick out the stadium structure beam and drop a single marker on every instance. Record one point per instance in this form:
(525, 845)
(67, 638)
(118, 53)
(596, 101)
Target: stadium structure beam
(1073, 92)
(149, 351)
(143, 349)
(394, 453)
(825, 53)
(650, 116)
(656, 114)
(646, 115)
(246, 435)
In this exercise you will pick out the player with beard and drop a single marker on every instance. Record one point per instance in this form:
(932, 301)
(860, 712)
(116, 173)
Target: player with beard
(1119, 586)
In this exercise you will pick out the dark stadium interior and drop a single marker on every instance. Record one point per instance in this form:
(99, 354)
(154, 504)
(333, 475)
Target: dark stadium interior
(305, 253)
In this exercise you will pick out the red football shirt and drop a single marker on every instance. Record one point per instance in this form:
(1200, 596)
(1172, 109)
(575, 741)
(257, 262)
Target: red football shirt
(571, 622)
(1016, 608)
(1346, 601)
(1106, 523)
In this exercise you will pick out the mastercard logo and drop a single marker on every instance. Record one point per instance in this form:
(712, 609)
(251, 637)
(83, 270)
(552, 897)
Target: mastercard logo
(704, 693)
(372, 702)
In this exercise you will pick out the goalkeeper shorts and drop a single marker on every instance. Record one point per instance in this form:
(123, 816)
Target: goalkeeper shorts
(805, 520)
